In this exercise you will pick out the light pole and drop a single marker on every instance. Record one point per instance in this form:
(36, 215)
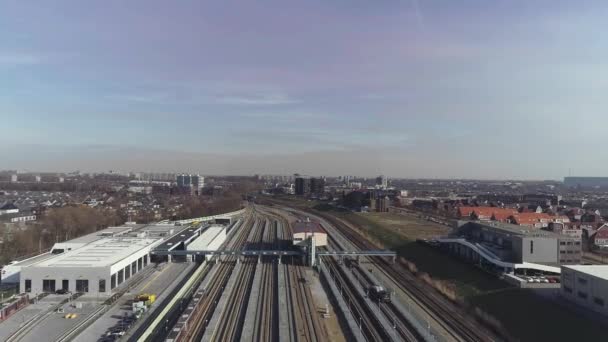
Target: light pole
(360, 327)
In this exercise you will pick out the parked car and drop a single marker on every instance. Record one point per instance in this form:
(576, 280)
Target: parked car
(62, 291)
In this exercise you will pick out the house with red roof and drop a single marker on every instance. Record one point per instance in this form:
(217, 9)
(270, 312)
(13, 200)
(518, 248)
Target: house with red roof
(600, 237)
(537, 220)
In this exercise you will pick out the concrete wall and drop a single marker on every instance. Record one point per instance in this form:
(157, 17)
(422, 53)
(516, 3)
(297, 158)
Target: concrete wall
(585, 290)
(535, 249)
(570, 251)
(38, 274)
(320, 239)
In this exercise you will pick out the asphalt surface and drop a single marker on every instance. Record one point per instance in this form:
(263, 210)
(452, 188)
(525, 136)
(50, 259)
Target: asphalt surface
(156, 283)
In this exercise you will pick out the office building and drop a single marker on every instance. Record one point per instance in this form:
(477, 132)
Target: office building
(302, 186)
(192, 183)
(381, 182)
(506, 247)
(317, 186)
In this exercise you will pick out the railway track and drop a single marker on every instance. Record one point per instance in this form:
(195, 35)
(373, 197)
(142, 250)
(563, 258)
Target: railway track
(304, 320)
(400, 323)
(445, 314)
(226, 311)
(207, 299)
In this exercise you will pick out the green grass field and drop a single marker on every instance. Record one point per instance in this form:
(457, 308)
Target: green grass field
(399, 233)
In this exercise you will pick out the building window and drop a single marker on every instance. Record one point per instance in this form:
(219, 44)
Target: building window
(598, 301)
(567, 289)
(102, 285)
(134, 267)
(113, 281)
(531, 247)
(65, 284)
(48, 285)
(577, 243)
(127, 272)
(562, 243)
(582, 281)
(562, 252)
(28, 285)
(582, 295)
(140, 263)
(121, 276)
(82, 285)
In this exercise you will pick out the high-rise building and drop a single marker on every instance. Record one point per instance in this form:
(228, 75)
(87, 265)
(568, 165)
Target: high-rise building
(183, 181)
(382, 204)
(381, 182)
(198, 183)
(194, 183)
(317, 186)
(302, 186)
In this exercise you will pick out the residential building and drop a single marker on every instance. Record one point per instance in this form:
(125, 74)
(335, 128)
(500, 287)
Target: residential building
(8, 208)
(192, 183)
(600, 236)
(567, 229)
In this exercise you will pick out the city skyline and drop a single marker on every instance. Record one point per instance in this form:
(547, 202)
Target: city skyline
(413, 89)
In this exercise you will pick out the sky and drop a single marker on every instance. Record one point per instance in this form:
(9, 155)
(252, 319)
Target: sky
(502, 89)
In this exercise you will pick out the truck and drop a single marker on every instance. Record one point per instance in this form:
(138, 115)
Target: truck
(379, 294)
(147, 298)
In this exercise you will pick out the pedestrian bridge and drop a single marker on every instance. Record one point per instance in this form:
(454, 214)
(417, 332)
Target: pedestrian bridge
(493, 259)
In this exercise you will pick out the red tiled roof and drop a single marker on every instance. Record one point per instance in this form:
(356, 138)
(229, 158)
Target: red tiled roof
(601, 233)
(465, 211)
(532, 218)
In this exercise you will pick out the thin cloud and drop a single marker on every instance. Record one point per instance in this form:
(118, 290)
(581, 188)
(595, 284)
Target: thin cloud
(257, 100)
(18, 59)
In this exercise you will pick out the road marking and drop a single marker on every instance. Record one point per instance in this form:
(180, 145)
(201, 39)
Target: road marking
(151, 280)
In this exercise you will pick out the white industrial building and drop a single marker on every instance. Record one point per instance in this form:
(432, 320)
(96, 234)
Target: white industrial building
(97, 267)
(211, 239)
(586, 285)
(97, 262)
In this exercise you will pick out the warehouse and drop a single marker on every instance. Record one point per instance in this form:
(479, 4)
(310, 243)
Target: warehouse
(211, 239)
(97, 267)
(11, 272)
(95, 263)
(302, 231)
(586, 285)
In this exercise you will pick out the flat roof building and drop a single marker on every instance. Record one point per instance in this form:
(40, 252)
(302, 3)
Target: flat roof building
(307, 229)
(211, 239)
(586, 285)
(97, 267)
(98, 262)
(523, 244)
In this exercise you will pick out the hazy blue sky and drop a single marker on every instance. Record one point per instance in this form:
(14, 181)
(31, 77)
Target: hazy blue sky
(490, 89)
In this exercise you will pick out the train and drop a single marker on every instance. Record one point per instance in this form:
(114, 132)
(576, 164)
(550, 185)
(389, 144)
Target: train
(379, 294)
